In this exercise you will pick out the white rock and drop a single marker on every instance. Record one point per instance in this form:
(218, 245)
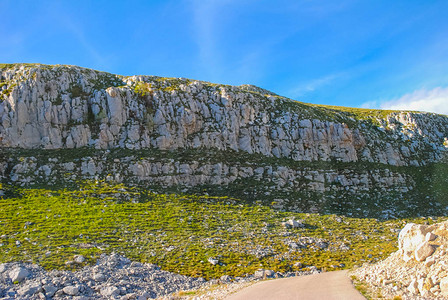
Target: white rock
(412, 288)
(423, 251)
(291, 223)
(430, 237)
(50, 290)
(110, 291)
(79, 259)
(429, 262)
(259, 273)
(18, 274)
(99, 277)
(411, 236)
(71, 290)
(262, 273)
(29, 289)
(407, 255)
(225, 278)
(3, 267)
(444, 286)
(213, 261)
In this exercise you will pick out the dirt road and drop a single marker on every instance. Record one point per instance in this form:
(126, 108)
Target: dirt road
(327, 286)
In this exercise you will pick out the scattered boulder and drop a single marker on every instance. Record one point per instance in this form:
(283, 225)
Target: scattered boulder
(322, 245)
(262, 273)
(71, 290)
(291, 223)
(18, 274)
(225, 278)
(213, 261)
(99, 277)
(411, 236)
(50, 290)
(129, 296)
(79, 259)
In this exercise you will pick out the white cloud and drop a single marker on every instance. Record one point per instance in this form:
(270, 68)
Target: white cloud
(435, 100)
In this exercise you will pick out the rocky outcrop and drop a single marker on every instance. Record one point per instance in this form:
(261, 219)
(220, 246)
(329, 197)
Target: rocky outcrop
(56, 107)
(418, 269)
(192, 135)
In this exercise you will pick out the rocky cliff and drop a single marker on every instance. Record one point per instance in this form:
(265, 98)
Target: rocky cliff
(59, 124)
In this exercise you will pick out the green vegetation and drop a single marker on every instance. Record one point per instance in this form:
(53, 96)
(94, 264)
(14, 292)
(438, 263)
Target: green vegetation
(360, 113)
(179, 232)
(52, 218)
(362, 287)
(370, 291)
(143, 89)
(428, 182)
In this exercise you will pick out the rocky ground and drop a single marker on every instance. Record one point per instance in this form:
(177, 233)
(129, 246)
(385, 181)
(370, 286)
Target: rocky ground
(112, 277)
(116, 277)
(418, 270)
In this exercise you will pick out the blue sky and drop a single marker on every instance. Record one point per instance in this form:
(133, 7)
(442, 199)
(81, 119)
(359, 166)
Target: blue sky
(366, 53)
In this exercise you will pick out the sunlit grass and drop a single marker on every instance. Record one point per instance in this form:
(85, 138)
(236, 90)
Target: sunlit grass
(178, 232)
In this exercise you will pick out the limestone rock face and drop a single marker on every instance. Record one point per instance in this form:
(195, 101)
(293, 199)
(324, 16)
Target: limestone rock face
(55, 107)
(175, 132)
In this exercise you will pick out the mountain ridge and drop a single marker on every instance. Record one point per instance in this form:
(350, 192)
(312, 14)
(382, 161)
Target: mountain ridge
(177, 133)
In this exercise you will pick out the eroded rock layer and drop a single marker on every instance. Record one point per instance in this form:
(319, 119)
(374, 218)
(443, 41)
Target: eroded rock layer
(69, 123)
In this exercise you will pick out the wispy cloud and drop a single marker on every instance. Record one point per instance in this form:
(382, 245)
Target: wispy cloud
(204, 18)
(434, 100)
(312, 85)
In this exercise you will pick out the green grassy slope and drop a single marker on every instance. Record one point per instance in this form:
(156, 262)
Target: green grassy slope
(180, 232)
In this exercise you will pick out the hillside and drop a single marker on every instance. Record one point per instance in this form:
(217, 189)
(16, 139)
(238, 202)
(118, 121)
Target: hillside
(62, 124)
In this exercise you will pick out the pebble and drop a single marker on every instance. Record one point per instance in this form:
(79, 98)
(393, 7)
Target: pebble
(125, 280)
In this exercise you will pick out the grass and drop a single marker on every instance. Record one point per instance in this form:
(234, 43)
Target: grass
(49, 223)
(179, 232)
(429, 182)
(370, 291)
